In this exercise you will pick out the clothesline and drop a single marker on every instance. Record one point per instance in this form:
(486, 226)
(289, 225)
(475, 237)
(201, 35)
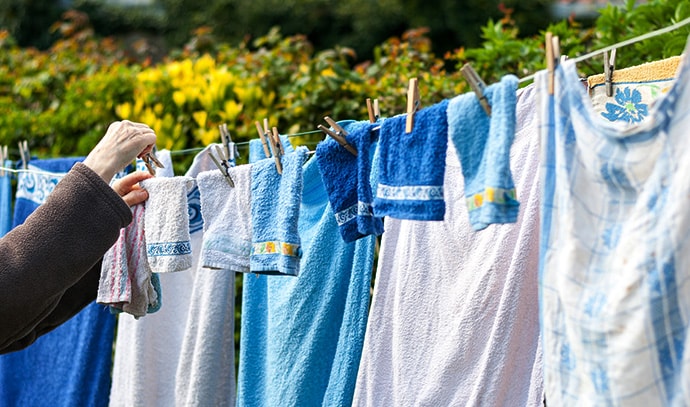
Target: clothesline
(592, 54)
(621, 44)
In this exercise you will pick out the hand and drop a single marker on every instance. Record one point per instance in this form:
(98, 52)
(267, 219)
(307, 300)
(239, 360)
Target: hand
(122, 143)
(128, 187)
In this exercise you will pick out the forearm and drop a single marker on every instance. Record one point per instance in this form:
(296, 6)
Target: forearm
(59, 245)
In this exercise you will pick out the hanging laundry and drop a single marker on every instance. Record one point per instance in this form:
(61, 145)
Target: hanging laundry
(454, 313)
(301, 338)
(256, 150)
(166, 223)
(228, 227)
(147, 350)
(275, 202)
(411, 166)
(205, 374)
(5, 198)
(127, 283)
(70, 365)
(483, 146)
(615, 248)
(634, 90)
(346, 179)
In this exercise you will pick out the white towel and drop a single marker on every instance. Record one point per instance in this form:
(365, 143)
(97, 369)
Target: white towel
(205, 374)
(454, 315)
(166, 223)
(227, 219)
(147, 350)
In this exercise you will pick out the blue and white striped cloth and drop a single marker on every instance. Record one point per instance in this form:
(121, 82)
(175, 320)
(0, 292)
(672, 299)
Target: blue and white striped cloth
(615, 249)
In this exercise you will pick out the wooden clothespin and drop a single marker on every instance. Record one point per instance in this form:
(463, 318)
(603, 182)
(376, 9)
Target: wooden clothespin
(553, 55)
(370, 110)
(263, 135)
(413, 104)
(278, 150)
(338, 134)
(222, 164)
(147, 158)
(229, 146)
(609, 64)
(24, 153)
(2, 160)
(477, 85)
(377, 111)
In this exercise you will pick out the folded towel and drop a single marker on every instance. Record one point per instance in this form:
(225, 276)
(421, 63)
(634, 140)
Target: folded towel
(227, 216)
(275, 202)
(412, 166)
(166, 223)
(483, 146)
(256, 148)
(346, 179)
(126, 282)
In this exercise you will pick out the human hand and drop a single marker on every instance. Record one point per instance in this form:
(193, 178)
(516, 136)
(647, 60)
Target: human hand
(122, 143)
(128, 187)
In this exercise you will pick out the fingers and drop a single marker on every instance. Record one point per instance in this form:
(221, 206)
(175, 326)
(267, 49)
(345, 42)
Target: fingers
(130, 182)
(135, 197)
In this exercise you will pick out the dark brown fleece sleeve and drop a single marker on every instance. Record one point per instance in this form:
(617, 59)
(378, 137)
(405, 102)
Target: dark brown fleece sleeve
(49, 265)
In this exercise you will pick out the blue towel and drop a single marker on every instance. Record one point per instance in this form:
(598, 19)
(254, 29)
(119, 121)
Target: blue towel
(69, 366)
(6, 200)
(275, 213)
(483, 147)
(302, 338)
(34, 188)
(412, 166)
(256, 149)
(346, 179)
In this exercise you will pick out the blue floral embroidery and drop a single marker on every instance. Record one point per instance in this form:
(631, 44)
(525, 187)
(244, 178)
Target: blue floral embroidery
(168, 249)
(628, 107)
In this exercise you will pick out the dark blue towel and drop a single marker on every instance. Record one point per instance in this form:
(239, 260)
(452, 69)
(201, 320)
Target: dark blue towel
(483, 147)
(346, 179)
(412, 166)
(69, 366)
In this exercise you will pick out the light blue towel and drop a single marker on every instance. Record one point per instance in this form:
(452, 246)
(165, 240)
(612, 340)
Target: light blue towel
(6, 200)
(346, 179)
(256, 149)
(483, 147)
(275, 200)
(69, 366)
(301, 338)
(412, 166)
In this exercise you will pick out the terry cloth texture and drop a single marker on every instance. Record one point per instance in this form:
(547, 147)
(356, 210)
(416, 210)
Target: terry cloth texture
(301, 338)
(126, 279)
(275, 200)
(256, 149)
(346, 179)
(70, 365)
(166, 224)
(228, 220)
(483, 145)
(147, 350)
(615, 248)
(441, 348)
(412, 166)
(6, 199)
(634, 90)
